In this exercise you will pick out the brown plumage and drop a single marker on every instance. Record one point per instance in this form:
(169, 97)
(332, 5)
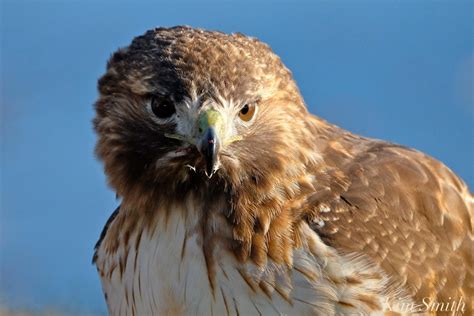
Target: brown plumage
(267, 204)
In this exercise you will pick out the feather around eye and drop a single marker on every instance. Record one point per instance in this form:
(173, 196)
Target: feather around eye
(162, 107)
(247, 112)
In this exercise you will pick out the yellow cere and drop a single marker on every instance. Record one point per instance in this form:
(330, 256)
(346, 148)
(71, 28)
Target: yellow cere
(209, 118)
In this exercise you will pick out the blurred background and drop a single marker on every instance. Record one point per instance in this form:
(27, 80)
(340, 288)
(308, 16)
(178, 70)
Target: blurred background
(395, 70)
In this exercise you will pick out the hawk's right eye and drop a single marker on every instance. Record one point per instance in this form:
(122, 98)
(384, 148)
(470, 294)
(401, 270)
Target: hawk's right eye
(162, 108)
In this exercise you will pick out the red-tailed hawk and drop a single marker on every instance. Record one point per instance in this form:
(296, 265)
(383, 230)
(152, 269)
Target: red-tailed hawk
(237, 201)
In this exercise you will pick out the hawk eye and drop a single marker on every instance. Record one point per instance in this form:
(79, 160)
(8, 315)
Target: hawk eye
(247, 112)
(162, 108)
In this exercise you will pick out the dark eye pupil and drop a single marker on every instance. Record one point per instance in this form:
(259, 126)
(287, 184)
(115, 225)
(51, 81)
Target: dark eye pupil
(162, 108)
(245, 109)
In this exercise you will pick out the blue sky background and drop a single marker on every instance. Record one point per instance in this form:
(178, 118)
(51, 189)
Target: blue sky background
(396, 70)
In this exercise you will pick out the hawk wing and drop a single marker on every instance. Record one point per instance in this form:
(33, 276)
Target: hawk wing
(103, 233)
(406, 211)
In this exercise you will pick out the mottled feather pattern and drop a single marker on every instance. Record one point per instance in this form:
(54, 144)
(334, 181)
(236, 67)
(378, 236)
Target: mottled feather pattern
(301, 217)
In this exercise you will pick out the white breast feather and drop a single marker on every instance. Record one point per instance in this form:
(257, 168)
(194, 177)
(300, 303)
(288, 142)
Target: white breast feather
(166, 282)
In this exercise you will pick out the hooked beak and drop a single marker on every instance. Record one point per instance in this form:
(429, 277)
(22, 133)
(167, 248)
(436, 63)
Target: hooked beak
(210, 140)
(209, 148)
(210, 126)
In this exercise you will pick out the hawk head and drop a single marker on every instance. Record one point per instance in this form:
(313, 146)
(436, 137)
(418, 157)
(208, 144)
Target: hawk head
(184, 109)
(180, 106)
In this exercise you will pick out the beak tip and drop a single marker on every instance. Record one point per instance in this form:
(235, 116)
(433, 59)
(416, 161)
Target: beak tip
(209, 149)
(210, 170)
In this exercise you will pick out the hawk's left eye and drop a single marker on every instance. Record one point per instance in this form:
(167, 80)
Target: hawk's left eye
(162, 108)
(247, 112)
